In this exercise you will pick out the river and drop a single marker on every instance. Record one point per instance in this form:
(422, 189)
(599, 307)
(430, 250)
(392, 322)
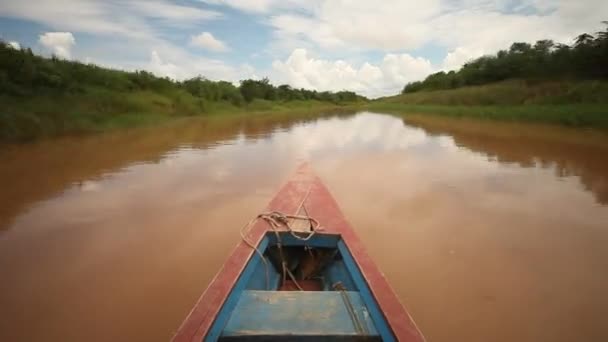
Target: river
(487, 231)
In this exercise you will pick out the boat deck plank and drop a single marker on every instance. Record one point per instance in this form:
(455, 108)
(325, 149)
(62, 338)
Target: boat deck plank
(312, 313)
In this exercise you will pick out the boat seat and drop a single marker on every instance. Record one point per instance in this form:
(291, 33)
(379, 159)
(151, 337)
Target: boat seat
(298, 315)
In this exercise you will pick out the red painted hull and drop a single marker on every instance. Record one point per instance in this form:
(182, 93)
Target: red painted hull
(320, 205)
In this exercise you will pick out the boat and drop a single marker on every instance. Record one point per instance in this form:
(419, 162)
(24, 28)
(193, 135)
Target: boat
(299, 273)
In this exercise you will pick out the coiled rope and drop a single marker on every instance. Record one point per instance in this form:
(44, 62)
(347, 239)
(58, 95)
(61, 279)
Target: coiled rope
(279, 221)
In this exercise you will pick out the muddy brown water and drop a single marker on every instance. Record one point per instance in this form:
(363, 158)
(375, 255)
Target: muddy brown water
(487, 231)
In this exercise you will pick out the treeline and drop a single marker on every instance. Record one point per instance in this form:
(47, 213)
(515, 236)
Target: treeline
(249, 90)
(585, 59)
(24, 74)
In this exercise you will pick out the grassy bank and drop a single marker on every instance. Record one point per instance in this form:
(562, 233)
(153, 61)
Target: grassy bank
(582, 103)
(542, 82)
(42, 97)
(513, 92)
(99, 110)
(578, 115)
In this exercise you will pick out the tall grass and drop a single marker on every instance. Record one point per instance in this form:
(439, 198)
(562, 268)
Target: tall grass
(577, 115)
(99, 109)
(514, 92)
(572, 103)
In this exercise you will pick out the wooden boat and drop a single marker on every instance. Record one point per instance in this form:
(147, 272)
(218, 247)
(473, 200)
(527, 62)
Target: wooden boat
(314, 282)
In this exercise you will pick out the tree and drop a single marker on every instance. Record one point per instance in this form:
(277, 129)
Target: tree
(603, 35)
(586, 59)
(544, 46)
(257, 89)
(583, 39)
(520, 48)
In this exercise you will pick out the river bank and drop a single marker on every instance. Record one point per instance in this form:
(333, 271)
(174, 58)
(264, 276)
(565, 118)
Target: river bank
(577, 104)
(45, 97)
(573, 103)
(46, 117)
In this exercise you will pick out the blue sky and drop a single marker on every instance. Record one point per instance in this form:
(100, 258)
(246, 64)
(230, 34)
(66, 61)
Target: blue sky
(371, 47)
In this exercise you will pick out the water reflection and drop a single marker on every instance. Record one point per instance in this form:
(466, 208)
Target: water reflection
(33, 172)
(570, 152)
(484, 216)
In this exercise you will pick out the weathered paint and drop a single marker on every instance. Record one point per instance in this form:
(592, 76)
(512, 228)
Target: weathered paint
(319, 204)
(343, 270)
(232, 297)
(366, 294)
(313, 313)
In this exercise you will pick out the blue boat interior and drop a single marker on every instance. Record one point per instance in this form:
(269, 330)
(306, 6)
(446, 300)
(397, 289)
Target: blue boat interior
(302, 290)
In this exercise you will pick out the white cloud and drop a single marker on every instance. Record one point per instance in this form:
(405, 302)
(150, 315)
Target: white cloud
(475, 25)
(178, 64)
(135, 28)
(395, 25)
(60, 43)
(264, 6)
(14, 45)
(467, 29)
(245, 5)
(160, 67)
(388, 77)
(125, 18)
(207, 41)
(171, 12)
(458, 57)
(302, 29)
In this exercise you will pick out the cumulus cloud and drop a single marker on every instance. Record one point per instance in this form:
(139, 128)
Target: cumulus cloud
(207, 41)
(458, 57)
(395, 25)
(15, 45)
(385, 78)
(476, 25)
(178, 64)
(160, 67)
(60, 43)
(466, 29)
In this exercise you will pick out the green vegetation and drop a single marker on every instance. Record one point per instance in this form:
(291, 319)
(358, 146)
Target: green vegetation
(586, 60)
(545, 82)
(513, 92)
(572, 103)
(579, 115)
(50, 96)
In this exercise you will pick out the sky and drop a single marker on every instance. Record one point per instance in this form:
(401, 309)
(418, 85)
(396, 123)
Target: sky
(371, 47)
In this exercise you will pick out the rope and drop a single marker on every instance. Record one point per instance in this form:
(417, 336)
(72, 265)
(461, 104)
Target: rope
(278, 220)
(242, 232)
